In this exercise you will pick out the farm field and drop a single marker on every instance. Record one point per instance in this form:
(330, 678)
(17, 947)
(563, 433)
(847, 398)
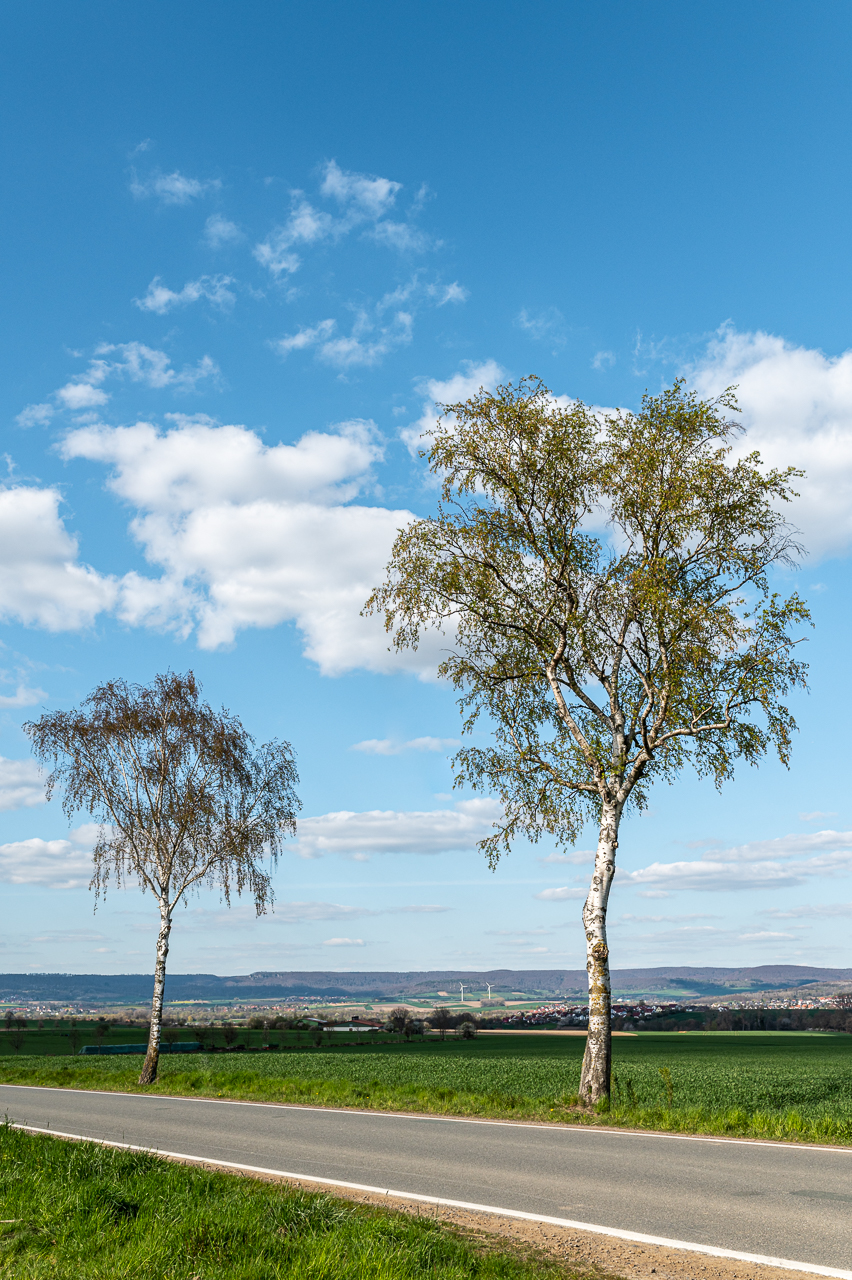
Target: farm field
(80, 1210)
(787, 1085)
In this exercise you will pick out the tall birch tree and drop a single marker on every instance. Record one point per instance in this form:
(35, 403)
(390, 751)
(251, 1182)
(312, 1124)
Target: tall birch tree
(603, 582)
(183, 796)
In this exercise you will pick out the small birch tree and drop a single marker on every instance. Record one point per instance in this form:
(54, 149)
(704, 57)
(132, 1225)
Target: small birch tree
(183, 796)
(604, 577)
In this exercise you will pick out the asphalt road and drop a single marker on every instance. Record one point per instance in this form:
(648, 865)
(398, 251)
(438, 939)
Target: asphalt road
(781, 1200)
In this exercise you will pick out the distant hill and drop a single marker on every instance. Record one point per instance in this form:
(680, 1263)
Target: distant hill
(672, 982)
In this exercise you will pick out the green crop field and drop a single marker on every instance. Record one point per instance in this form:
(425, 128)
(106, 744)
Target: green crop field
(767, 1084)
(77, 1211)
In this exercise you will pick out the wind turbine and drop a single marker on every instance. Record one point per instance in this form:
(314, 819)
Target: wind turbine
(461, 984)
(488, 985)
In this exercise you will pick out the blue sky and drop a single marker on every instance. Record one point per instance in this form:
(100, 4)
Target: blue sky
(246, 248)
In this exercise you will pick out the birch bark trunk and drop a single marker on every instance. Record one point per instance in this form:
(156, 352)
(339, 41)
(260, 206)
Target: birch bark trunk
(597, 1060)
(152, 1057)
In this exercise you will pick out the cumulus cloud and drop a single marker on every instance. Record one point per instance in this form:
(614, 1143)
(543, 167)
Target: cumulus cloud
(454, 292)
(390, 831)
(393, 747)
(153, 368)
(362, 202)
(376, 330)
(372, 196)
(369, 341)
(54, 864)
(768, 864)
(250, 535)
(797, 408)
(461, 386)
(42, 582)
(305, 226)
(136, 362)
(35, 415)
(305, 337)
(161, 299)
(172, 188)
(81, 395)
(219, 231)
(22, 697)
(21, 784)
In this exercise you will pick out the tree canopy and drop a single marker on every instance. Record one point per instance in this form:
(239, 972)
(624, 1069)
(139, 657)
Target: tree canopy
(603, 581)
(183, 797)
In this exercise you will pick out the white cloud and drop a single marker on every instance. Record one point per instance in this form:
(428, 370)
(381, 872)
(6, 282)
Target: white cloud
(41, 581)
(562, 894)
(372, 196)
(759, 864)
(160, 299)
(603, 360)
(152, 367)
(219, 231)
(249, 535)
(389, 831)
(300, 912)
(172, 188)
(400, 236)
(363, 202)
(377, 328)
(790, 846)
(461, 386)
(372, 337)
(764, 935)
(22, 697)
(305, 337)
(21, 784)
(136, 362)
(369, 342)
(35, 415)
(393, 747)
(818, 815)
(305, 226)
(81, 395)
(344, 942)
(54, 864)
(454, 292)
(543, 326)
(797, 407)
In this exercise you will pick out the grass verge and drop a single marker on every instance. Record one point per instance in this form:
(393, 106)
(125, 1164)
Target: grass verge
(84, 1211)
(217, 1078)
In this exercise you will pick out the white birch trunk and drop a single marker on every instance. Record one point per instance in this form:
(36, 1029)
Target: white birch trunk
(597, 1060)
(152, 1057)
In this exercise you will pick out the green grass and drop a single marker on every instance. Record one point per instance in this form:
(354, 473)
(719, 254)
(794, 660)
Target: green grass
(83, 1211)
(779, 1085)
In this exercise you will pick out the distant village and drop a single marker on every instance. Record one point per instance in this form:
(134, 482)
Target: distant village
(750, 1011)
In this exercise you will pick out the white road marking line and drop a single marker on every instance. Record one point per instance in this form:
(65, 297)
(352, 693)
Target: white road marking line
(761, 1259)
(425, 1115)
